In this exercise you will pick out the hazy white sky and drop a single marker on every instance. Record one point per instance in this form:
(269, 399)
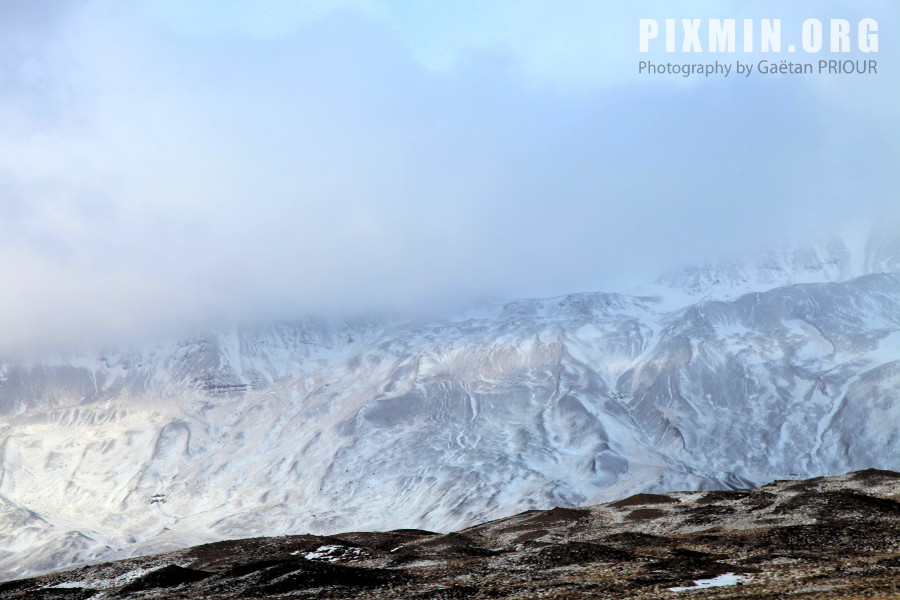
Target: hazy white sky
(176, 163)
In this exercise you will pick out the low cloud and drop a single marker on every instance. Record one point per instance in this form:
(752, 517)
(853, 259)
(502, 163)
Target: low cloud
(154, 179)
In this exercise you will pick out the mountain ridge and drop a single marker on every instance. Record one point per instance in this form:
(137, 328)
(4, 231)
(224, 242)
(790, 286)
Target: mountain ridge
(313, 425)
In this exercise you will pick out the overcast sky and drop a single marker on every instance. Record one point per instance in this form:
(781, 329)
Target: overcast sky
(173, 163)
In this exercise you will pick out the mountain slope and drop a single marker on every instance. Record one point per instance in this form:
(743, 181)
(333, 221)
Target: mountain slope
(321, 427)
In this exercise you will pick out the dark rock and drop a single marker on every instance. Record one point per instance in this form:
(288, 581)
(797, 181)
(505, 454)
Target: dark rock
(571, 553)
(315, 575)
(710, 513)
(268, 568)
(874, 476)
(638, 539)
(452, 545)
(165, 577)
(644, 514)
(751, 498)
(384, 540)
(644, 499)
(456, 592)
(840, 504)
(557, 516)
(832, 537)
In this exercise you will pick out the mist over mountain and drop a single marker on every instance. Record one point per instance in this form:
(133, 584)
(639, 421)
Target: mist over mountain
(318, 426)
(180, 165)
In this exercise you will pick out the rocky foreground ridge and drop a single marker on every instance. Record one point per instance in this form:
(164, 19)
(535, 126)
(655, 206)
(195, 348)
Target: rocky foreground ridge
(827, 537)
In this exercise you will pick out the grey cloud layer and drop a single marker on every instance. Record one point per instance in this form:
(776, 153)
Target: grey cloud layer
(150, 180)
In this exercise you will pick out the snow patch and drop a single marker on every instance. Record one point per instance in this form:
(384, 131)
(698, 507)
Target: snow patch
(721, 580)
(333, 553)
(102, 584)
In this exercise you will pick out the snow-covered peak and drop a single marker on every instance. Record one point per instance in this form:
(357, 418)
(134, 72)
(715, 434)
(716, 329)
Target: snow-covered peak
(829, 259)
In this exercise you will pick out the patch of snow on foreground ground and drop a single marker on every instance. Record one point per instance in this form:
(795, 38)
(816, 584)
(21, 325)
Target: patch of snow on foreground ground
(721, 580)
(103, 584)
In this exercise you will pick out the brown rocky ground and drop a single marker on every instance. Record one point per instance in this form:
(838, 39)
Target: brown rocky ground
(834, 537)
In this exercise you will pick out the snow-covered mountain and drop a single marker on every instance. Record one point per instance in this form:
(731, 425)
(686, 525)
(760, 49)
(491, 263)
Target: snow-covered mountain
(827, 259)
(320, 427)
